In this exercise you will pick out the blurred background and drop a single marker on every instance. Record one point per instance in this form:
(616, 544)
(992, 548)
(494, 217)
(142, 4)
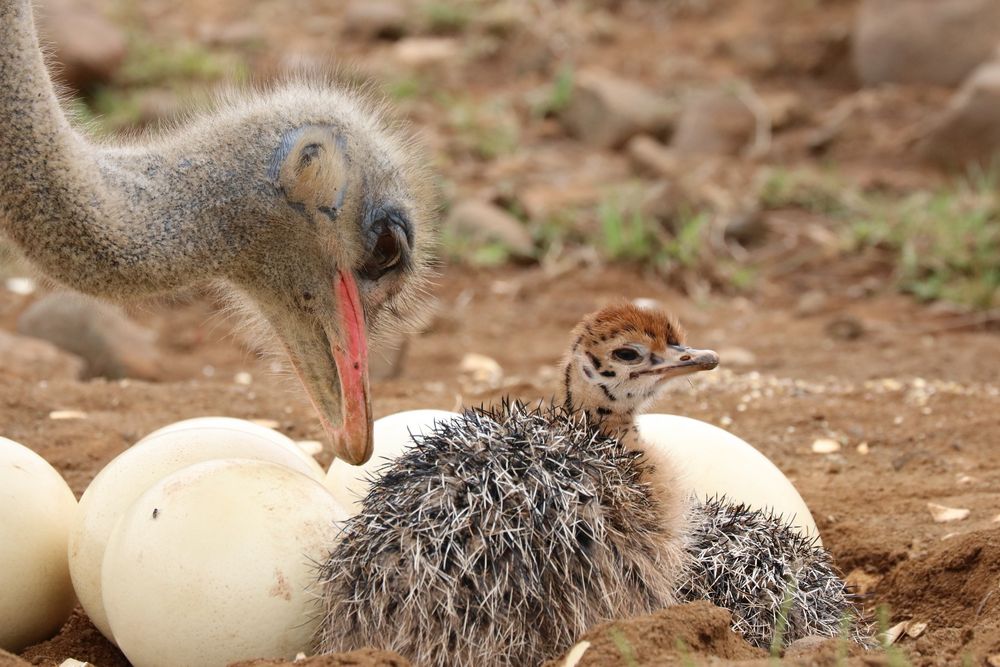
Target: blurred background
(720, 144)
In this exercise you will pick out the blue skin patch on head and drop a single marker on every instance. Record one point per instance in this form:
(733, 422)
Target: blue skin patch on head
(310, 152)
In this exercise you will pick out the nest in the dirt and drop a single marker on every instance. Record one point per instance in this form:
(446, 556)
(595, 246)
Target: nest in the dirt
(776, 582)
(501, 536)
(497, 539)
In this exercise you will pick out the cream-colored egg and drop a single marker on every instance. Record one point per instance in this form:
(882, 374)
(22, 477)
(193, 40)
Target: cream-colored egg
(37, 510)
(234, 424)
(713, 462)
(217, 563)
(151, 459)
(349, 484)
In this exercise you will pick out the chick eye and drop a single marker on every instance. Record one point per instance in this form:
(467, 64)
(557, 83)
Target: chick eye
(387, 251)
(625, 354)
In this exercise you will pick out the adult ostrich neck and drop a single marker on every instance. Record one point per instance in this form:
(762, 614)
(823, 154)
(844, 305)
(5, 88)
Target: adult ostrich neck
(85, 215)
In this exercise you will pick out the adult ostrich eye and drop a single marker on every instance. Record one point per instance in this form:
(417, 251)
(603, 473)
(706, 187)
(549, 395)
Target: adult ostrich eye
(626, 355)
(389, 247)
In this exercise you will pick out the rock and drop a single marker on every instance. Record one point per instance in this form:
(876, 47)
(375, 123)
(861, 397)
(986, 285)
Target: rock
(652, 157)
(716, 122)
(110, 344)
(543, 200)
(809, 646)
(31, 359)
(483, 221)
(663, 201)
(426, 51)
(605, 110)
(479, 373)
(376, 19)
(923, 41)
(811, 303)
(88, 48)
(844, 328)
(968, 131)
(746, 226)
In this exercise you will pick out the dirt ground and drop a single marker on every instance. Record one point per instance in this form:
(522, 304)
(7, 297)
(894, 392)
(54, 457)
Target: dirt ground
(910, 391)
(925, 404)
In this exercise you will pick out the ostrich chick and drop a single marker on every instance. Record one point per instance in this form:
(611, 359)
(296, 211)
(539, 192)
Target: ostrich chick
(302, 199)
(503, 535)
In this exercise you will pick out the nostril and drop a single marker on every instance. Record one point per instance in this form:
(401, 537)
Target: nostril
(686, 357)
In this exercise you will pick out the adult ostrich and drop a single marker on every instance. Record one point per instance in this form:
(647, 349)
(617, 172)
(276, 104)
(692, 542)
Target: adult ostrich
(303, 199)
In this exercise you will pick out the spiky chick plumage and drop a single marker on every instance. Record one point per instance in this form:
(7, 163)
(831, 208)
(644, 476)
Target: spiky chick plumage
(767, 574)
(496, 540)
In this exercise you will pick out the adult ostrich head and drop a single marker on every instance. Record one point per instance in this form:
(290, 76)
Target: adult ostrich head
(302, 198)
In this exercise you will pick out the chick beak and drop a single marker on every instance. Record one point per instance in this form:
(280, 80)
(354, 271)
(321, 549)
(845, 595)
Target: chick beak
(352, 441)
(683, 361)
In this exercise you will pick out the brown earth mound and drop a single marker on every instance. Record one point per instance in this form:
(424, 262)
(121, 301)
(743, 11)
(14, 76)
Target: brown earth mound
(78, 639)
(676, 633)
(366, 657)
(955, 589)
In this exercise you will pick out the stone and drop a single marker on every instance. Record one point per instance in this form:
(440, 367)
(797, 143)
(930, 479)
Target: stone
(482, 221)
(87, 46)
(376, 19)
(650, 156)
(606, 110)
(923, 41)
(845, 328)
(805, 647)
(714, 122)
(421, 52)
(968, 131)
(34, 360)
(745, 226)
(110, 344)
(811, 303)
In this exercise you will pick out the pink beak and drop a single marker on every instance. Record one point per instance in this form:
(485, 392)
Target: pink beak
(352, 441)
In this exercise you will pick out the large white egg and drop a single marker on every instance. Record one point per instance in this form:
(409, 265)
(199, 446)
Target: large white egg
(713, 462)
(37, 509)
(349, 484)
(234, 424)
(218, 563)
(151, 459)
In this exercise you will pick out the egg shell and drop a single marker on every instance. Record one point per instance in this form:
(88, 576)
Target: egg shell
(349, 484)
(713, 462)
(136, 469)
(218, 563)
(37, 509)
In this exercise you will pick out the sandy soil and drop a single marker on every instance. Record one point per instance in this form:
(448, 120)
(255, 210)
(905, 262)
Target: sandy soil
(922, 403)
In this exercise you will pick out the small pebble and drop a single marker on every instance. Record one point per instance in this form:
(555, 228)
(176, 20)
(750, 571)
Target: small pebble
(825, 446)
(20, 285)
(67, 414)
(243, 378)
(943, 514)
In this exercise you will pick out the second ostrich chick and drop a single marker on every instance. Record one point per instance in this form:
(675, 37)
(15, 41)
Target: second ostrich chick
(503, 535)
